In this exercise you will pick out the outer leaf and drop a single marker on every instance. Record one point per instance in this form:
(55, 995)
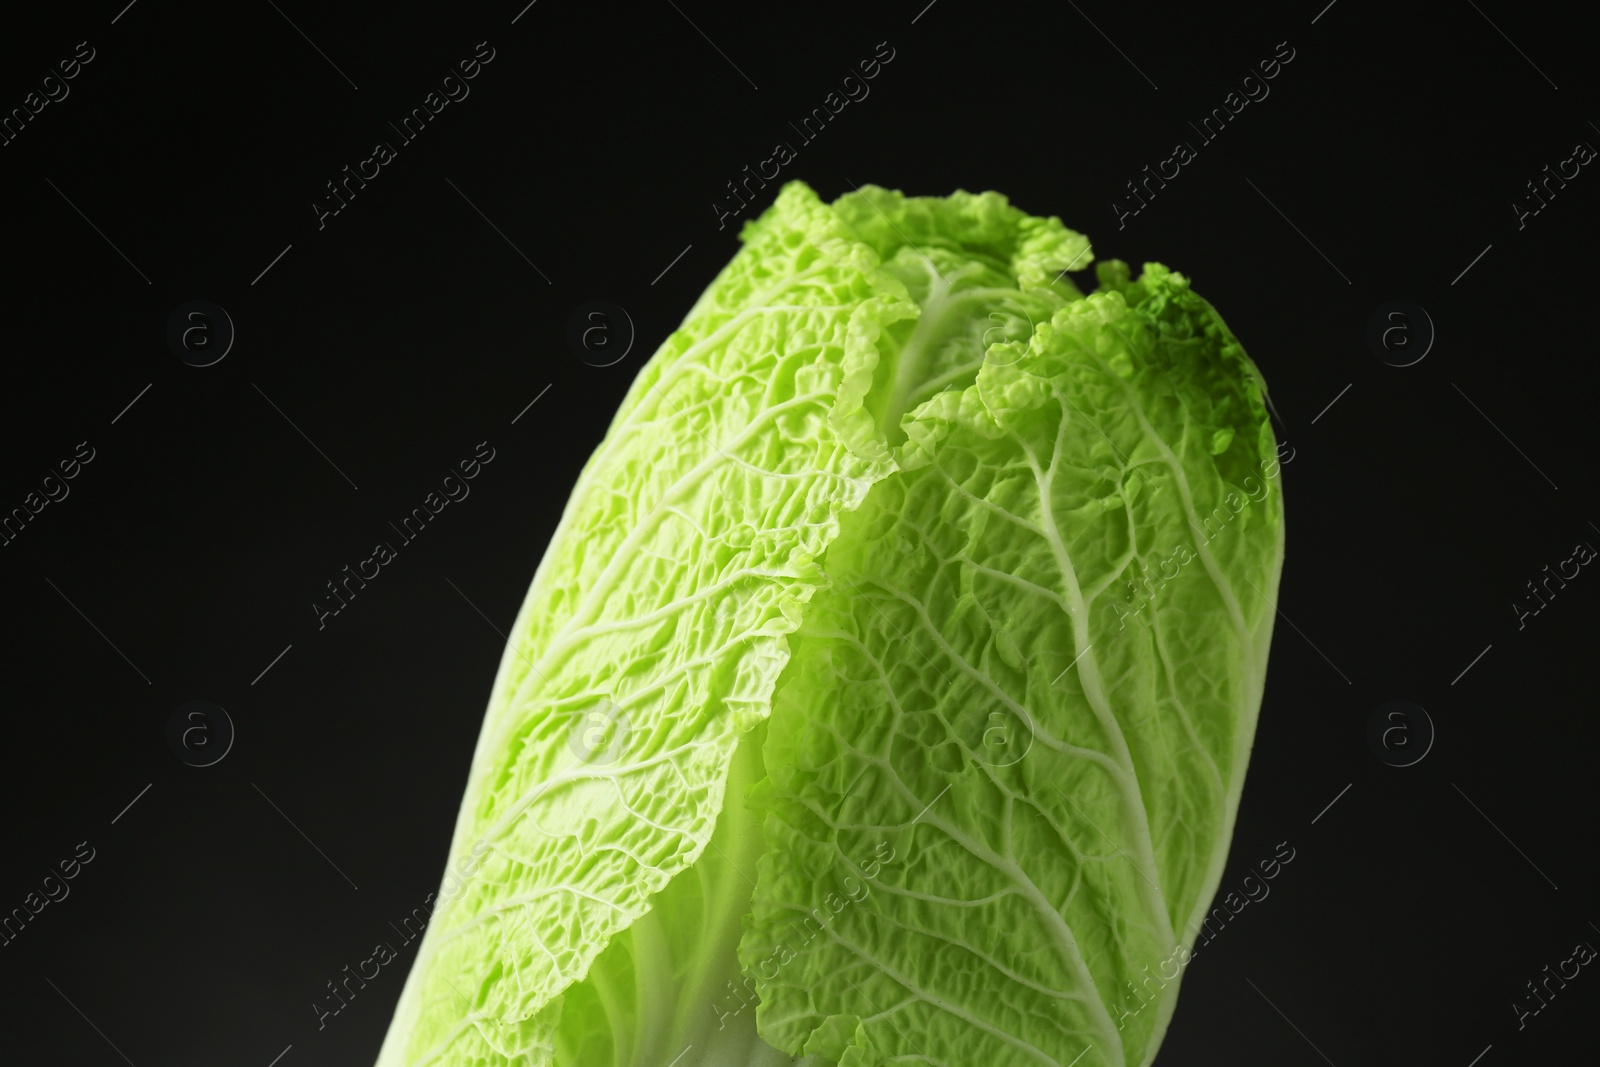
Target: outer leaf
(1032, 685)
(685, 555)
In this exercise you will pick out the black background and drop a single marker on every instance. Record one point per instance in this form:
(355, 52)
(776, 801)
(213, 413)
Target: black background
(408, 330)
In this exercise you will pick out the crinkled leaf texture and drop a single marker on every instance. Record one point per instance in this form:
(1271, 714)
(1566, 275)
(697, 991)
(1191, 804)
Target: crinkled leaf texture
(886, 691)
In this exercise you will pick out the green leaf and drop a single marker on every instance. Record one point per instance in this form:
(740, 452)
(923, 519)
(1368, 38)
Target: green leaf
(687, 552)
(1055, 771)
